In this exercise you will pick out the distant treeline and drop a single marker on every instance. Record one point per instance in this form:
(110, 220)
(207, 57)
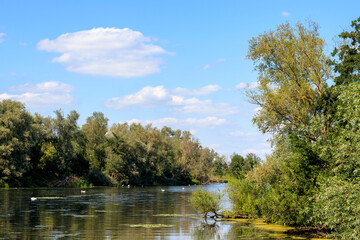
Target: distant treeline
(47, 151)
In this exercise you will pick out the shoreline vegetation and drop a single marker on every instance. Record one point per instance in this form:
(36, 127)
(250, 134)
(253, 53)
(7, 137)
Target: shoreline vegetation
(308, 101)
(208, 204)
(55, 151)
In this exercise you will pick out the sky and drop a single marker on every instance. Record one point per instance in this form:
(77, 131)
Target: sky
(174, 63)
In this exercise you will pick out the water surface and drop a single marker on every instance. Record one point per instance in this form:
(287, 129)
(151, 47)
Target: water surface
(116, 213)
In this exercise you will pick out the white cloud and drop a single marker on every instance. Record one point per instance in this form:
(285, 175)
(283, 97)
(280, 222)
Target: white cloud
(257, 151)
(147, 97)
(247, 85)
(43, 87)
(207, 66)
(161, 97)
(193, 132)
(106, 51)
(210, 65)
(47, 94)
(285, 14)
(177, 123)
(240, 133)
(197, 92)
(207, 107)
(40, 99)
(2, 37)
(215, 145)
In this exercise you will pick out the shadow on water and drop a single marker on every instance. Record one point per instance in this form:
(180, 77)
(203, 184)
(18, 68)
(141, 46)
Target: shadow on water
(115, 213)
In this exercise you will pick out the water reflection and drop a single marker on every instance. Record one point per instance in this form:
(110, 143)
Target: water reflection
(113, 213)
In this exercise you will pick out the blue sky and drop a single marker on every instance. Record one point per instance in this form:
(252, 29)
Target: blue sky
(176, 63)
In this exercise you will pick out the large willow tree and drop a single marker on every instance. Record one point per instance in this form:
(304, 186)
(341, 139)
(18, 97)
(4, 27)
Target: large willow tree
(292, 75)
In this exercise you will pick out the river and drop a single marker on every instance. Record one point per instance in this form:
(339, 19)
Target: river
(118, 213)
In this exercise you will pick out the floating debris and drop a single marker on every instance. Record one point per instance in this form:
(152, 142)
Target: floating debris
(169, 215)
(64, 235)
(152, 225)
(46, 198)
(42, 226)
(83, 216)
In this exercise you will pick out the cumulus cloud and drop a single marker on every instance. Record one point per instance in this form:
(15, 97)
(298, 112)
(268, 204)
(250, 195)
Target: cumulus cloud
(257, 151)
(246, 85)
(2, 37)
(160, 97)
(43, 87)
(47, 94)
(240, 133)
(197, 92)
(177, 123)
(106, 51)
(206, 107)
(40, 99)
(146, 97)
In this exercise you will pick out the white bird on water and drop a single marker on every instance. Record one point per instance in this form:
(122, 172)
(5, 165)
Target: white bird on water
(83, 191)
(163, 190)
(33, 198)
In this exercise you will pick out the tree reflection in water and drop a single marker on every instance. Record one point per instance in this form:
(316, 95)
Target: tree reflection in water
(207, 229)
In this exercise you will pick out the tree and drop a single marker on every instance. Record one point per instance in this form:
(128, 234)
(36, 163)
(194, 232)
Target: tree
(240, 166)
(67, 142)
(15, 139)
(251, 160)
(292, 76)
(94, 131)
(220, 166)
(206, 202)
(344, 145)
(348, 63)
(236, 167)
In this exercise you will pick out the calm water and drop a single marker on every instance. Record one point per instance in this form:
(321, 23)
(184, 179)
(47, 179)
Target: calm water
(115, 213)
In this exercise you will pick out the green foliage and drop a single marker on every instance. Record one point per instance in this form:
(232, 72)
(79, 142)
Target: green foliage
(15, 139)
(98, 178)
(243, 195)
(348, 63)
(49, 160)
(292, 75)
(146, 156)
(240, 166)
(220, 166)
(94, 131)
(206, 202)
(38, 151)
(344, 143)
(338, 208)
(67, 142)
(236, 166)
(311, 178)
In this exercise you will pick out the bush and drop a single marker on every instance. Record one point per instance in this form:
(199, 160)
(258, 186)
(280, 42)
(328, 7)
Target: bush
(244, 197)
(338, 208)
(206, 202)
